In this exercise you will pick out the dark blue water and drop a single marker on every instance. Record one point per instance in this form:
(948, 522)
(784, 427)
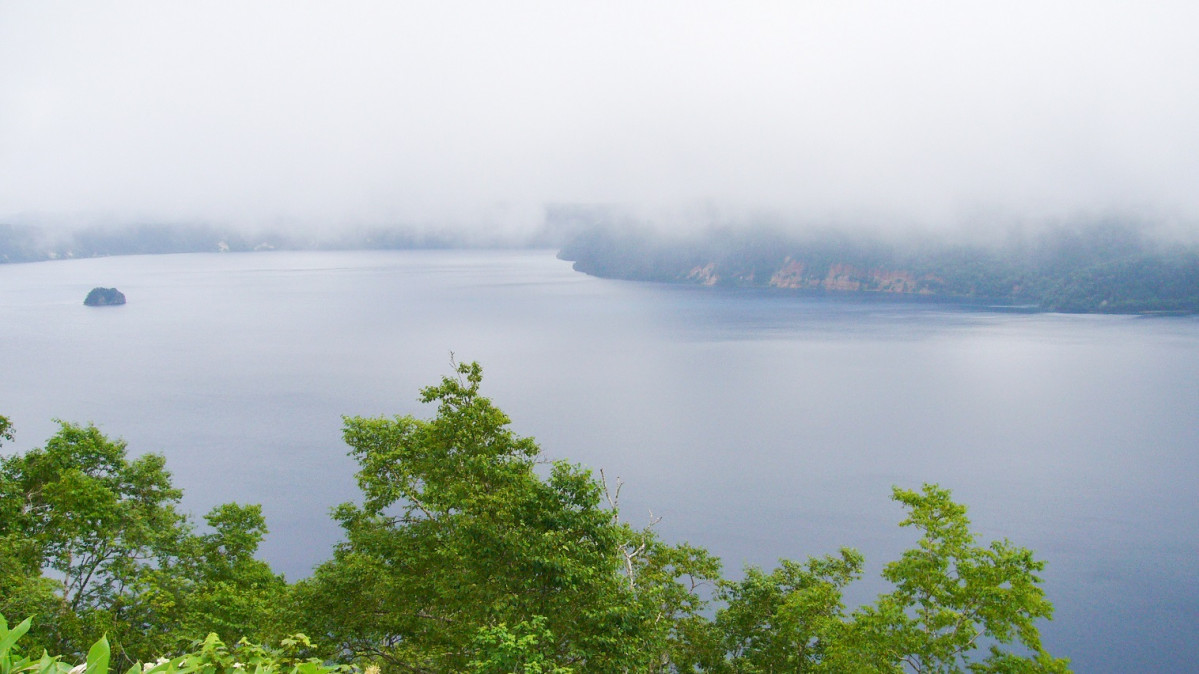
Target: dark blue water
(757, 424)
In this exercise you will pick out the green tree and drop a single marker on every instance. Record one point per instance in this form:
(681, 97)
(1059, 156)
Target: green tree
(784, 621)
(499, 650)
(951, 595)
(95, 521)
(469, 553)
(463, 536)
(23, 591)
(91, 542)
(229, 592)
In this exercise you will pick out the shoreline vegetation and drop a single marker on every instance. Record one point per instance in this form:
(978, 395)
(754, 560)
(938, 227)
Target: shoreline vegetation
(1100, 267)
(1097, 269)
(466, 553)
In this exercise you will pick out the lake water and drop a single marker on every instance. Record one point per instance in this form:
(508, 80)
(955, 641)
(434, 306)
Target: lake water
(757, 424)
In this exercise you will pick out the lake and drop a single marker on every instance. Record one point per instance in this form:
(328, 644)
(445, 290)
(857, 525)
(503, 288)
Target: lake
(757, 424)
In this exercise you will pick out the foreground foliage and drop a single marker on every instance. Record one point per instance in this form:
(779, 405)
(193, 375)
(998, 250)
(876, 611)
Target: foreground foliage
(210, 656)
(468, 554)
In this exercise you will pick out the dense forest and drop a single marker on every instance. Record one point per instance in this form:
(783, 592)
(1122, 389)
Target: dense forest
(467, 552)
(1090, 268)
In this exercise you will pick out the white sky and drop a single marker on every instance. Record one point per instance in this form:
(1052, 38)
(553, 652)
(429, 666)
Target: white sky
(344, 113)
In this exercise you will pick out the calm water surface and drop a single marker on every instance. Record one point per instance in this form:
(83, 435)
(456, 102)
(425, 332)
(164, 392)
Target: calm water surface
(756, 424)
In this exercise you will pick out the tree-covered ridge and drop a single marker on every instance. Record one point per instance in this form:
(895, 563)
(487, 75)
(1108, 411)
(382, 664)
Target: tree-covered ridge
(467, 554)
(1098, 268)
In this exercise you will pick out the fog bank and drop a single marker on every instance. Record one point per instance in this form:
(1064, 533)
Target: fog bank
(312, 116)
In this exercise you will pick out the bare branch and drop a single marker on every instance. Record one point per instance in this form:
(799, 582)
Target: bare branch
(613, 499)
(653, 521)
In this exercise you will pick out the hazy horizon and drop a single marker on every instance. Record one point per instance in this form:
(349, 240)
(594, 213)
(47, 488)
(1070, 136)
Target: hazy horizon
(306, 117)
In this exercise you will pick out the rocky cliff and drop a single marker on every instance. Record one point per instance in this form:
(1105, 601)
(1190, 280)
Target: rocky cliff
(799, 275)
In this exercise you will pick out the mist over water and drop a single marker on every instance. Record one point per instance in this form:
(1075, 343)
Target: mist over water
(757, 424)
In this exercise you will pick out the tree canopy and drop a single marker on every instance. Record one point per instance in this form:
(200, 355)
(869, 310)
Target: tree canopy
(91, 542)
(467, 552)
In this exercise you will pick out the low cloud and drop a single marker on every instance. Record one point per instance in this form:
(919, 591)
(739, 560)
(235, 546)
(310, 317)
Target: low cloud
(475, 115)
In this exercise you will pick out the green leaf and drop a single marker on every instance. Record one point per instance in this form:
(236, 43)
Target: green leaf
(97, 657)
(9, 637)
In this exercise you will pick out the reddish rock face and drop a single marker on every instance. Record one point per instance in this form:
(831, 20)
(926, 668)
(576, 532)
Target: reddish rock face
(790, 276)
(842, 277)
(893, 281)
(705, 275)
(795, 274)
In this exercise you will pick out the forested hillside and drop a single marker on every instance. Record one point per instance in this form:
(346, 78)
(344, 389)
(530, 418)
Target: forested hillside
(463, 556)
(1095, 268)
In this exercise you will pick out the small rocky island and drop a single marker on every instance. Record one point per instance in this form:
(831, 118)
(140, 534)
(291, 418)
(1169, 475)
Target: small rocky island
(103, 297)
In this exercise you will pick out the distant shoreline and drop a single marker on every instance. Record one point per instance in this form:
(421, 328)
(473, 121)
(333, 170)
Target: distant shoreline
(1103, 270)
